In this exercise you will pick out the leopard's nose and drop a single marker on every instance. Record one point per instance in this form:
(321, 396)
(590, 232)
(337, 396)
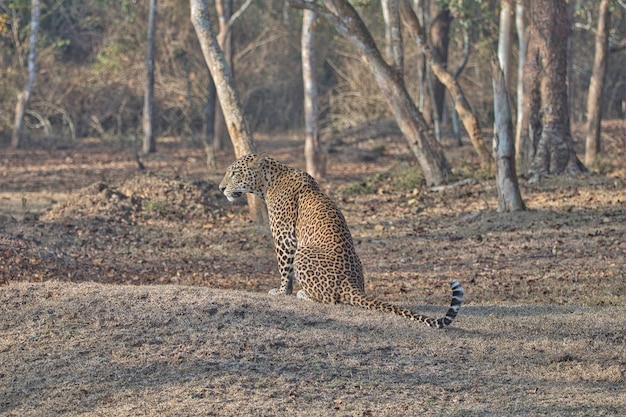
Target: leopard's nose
(222, 188)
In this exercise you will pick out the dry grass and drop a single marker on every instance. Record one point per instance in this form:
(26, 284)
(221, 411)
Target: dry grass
(541, 332)
(100, 350)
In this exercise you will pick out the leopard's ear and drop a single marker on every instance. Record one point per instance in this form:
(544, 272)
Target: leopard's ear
(257, 159)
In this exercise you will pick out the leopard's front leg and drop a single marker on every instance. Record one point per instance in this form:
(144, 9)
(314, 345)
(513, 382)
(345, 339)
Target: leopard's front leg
(285, 254)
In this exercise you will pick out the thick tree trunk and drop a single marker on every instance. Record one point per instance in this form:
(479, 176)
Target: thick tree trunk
(227, 94)
(313, 153)
(509, 196)
(427, 151)
(546, 145)
(469, 119)
(554, 154)
(147, 122)
(596, 85)
(24, 96)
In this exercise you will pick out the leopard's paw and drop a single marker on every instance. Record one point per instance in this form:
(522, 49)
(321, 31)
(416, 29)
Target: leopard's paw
(277, 291)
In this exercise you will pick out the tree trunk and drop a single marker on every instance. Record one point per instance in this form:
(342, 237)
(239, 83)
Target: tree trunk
(456, 128)
(313, 153)
(521, 25)
(393, 35)
(554, 153)
(470, 121)
(439, 41)
(505, 40)
(427, 151)
(227, 94)
(24, 96)
(596, 85)
(209, 124)
(224, 9)
(147, 122)
(509, 196)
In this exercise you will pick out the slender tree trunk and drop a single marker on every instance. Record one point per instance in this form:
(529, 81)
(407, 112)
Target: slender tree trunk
(224, 9)
(456, 128)
(596, 85)
(393, 35)
(313, 153)
(209, 124)
(521, 25)
(505, 39)
(427, 151)
(439, 42)
(149, 142)
(24, 96)
(240, 134)
(470, 121)
(509, 196)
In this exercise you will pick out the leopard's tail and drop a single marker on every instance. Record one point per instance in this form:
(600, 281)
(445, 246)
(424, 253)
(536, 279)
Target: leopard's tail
(457, 299)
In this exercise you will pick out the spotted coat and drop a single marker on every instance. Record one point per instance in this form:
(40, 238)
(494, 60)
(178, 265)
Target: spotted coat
(312, 240)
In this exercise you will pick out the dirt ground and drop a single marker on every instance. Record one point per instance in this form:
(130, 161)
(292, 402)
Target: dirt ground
(540, 331)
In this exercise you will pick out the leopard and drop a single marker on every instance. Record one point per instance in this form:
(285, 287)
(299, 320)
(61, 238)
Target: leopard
(313, 244)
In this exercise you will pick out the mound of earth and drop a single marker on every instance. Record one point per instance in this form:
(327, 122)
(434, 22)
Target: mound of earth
(141, 198)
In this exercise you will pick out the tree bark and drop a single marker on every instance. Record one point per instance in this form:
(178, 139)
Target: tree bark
(427, 151)
(24, 96)
(469, 119)
(147, 121)
(546, 145)
(596, 85)
(313, 153)
(240, 134)
(509, 196)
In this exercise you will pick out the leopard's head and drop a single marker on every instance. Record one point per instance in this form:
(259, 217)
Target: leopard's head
(244, 176)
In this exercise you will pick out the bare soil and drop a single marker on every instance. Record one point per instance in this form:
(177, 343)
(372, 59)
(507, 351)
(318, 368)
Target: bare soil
(541, 332)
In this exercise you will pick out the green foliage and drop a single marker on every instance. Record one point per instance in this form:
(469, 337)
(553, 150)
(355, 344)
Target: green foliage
(407, 177)
(154, 206)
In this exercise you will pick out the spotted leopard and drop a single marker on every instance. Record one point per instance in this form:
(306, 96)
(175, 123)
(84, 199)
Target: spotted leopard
(312, 240)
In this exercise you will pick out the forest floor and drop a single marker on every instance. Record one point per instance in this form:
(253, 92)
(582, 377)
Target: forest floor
(83, 235)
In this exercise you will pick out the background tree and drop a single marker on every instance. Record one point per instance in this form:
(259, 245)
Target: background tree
(439, 40)
(509, 195)
(227, 94)
(24, 96)
(596, 85)
(445, 77)
(427, 151)
(505, 40)
(313, 154)
(149, 141)
(521, 26)
(394, 49)
(547, 144)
